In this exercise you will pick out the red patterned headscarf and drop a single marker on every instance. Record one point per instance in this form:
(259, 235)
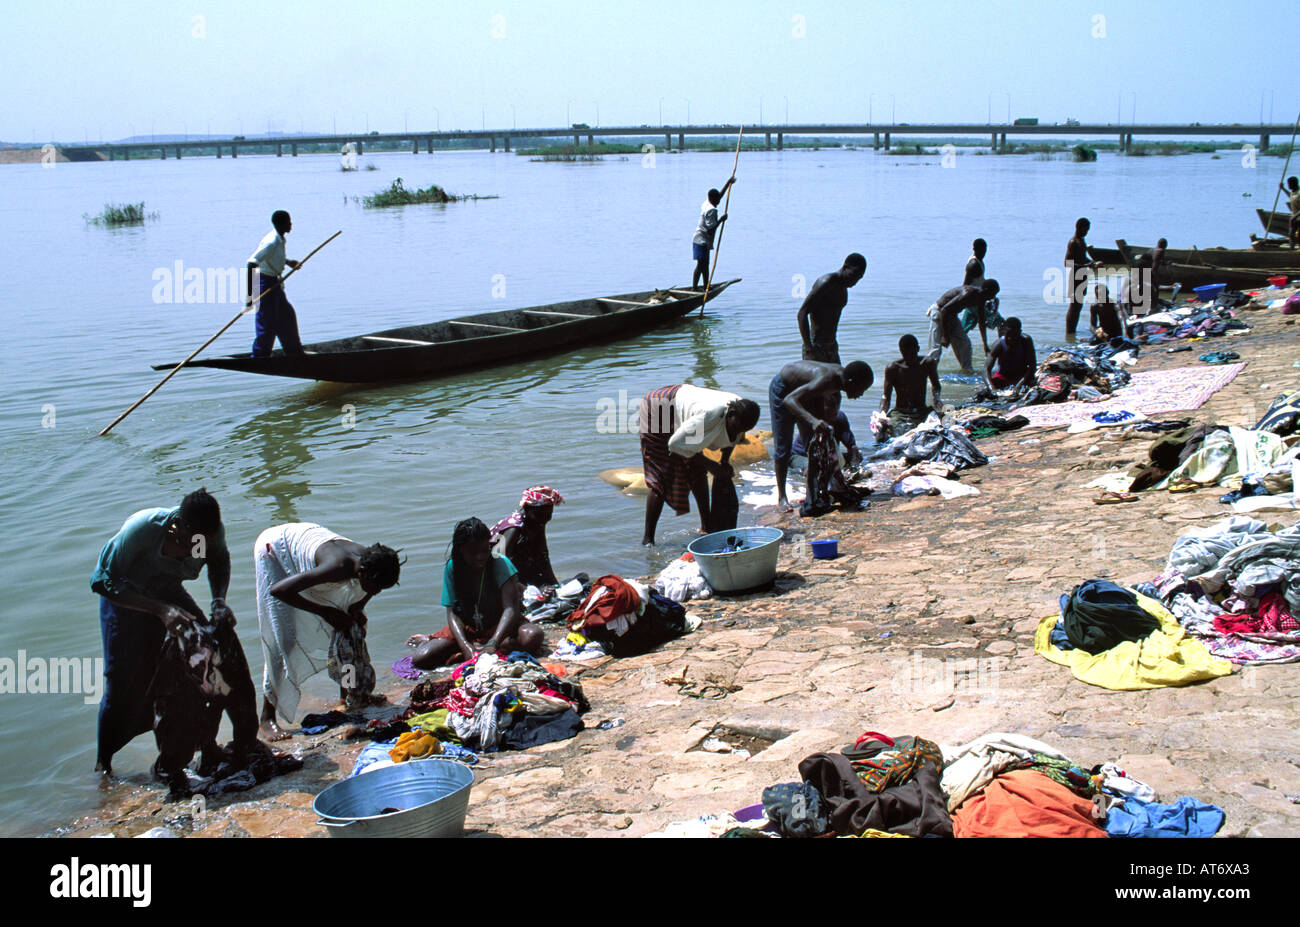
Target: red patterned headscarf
(540, 495)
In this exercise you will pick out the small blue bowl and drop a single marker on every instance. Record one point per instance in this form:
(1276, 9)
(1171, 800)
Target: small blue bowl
(1210, 290)
(827, 549)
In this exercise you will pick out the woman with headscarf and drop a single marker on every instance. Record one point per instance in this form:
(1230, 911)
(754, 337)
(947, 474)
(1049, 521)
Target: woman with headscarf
(484, 600)
(521, 536)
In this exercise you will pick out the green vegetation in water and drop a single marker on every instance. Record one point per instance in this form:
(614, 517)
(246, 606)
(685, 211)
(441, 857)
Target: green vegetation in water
(1277, 151)
(116, 214)
(912, 150)
(1082, 153)
(1165, 149)
(572, 153)
(398, 195)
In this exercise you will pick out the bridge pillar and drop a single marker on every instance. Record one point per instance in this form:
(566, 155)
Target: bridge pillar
(234, 151)
(780, 141)
(279, 150)
(886, 141)
(359, 151)
(492, 143)
(506, 143)
(767, 141)
(293, 150)
(162, 153)
(1263, 141)
(1002, 142)
(875, 141)
(590, 141)
(218, 151)
(681, 141)
(429, 145)
(994, 143)
(668, 142)
(415, 146)
(577, 140)
(178, 152)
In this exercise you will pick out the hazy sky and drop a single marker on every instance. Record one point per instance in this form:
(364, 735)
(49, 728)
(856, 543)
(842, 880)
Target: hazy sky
(92, 69)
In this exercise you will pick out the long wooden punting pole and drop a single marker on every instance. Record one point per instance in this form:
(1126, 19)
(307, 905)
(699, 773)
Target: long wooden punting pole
(1268, 228)
(708, 283)
(248, 308)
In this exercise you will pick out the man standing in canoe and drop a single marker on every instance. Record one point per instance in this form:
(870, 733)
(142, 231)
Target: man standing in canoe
(275, 317)
(798, 398)
(1292, 191)
(819, 316)
(702, 243)
(677, 424)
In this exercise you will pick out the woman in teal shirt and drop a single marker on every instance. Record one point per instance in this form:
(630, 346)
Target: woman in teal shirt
(484, 601)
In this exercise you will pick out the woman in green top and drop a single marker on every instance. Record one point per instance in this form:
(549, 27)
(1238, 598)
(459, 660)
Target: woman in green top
(484, 600)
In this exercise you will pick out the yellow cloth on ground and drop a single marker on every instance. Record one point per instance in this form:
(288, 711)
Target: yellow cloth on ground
(435, 723)
(1165, 657)
(415, 745)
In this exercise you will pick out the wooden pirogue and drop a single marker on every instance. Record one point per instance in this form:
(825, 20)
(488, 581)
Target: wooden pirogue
(473, 341)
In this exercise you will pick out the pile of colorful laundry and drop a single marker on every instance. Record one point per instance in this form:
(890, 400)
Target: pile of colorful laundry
(1193, 319)
(555, 603)
(934, 441)
(1119, 638)
(622, 618)
(490, 703)
(998, 785)
(1088, 372)
(1236, 586)
(1256, 464)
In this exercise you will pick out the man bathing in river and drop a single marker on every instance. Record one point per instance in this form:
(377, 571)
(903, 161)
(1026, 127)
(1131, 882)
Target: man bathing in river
(798, 397)
(312, 589)
(945, 321)
(1012, 362)
(819, 316)
(907, 378)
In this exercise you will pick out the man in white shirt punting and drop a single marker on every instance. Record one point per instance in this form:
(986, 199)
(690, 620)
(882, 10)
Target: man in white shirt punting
(275, 316)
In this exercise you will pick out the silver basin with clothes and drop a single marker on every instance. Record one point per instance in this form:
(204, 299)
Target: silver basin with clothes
(418, 798)
(751, 567)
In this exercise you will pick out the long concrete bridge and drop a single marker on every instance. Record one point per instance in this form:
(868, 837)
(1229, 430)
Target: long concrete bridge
(882, 135)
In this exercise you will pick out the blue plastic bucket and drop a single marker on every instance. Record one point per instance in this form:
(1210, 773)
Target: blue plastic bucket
(1210, 290)
(826, 549)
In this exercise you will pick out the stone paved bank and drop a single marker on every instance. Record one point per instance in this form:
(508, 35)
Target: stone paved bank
(923, 625)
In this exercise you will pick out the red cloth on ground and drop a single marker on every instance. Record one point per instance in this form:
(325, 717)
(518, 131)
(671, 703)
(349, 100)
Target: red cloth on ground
(1025, 803)
(618, 599)
(1271, 617)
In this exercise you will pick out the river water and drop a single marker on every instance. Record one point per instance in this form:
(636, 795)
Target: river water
(85, 316)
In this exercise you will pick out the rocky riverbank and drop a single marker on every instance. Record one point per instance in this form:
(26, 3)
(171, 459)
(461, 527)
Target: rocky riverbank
(923, 625)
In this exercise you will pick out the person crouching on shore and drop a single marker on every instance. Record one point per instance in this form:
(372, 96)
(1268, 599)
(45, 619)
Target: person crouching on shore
(484, 600)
